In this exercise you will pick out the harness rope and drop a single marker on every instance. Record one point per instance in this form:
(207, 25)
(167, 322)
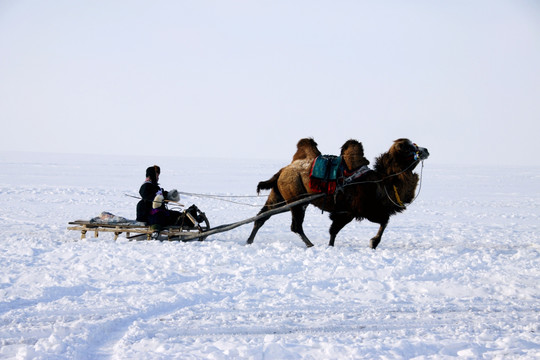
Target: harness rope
(223, 197)
(398, 204)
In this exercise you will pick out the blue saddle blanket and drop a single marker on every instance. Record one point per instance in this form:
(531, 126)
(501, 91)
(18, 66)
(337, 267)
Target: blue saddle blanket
(324, 173)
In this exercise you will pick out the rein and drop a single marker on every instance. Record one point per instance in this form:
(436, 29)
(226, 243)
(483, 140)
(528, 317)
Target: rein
(347, 182)
(386, 177)
(398, 199)
(223, 197)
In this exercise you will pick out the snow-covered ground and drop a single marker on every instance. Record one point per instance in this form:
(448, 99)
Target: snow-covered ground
(457, 275)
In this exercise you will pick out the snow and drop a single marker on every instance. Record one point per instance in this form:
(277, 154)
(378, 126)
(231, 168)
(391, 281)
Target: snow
(455, 276)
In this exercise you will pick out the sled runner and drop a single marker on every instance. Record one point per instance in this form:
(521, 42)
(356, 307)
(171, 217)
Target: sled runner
(196, 223)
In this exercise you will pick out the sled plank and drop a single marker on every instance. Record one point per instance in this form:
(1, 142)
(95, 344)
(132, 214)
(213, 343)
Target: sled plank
(170, 232)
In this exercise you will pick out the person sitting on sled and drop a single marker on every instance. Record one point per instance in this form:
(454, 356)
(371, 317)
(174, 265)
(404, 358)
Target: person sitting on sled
(151, 209)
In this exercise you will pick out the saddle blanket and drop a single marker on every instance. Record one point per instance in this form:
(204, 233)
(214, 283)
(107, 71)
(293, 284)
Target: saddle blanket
(324, 174)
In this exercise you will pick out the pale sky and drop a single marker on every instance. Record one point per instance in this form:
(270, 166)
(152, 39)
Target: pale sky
(248, 79)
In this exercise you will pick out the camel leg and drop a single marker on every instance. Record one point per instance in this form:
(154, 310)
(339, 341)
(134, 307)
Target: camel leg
(256, 226)
(377, 238)
(298, 214)
(339, 220)
(273, 198)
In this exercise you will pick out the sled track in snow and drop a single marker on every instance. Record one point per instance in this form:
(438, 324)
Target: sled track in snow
(340, 321)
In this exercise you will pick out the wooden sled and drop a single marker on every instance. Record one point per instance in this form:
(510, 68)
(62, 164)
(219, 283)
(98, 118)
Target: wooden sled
(145, 232)
(199, 232)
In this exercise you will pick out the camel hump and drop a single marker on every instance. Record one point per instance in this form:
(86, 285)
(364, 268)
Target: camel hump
(352, 153)
(306, 149)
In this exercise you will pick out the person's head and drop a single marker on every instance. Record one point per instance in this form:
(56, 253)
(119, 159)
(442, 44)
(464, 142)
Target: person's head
(152, 173)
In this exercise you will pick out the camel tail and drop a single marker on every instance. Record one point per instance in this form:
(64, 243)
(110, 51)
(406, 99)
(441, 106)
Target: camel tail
(268, 184)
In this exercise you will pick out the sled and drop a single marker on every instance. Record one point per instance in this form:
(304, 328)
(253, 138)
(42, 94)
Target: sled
(140, 231)
(182, 233)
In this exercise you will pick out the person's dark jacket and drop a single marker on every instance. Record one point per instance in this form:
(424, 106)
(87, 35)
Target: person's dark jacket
(148, 192)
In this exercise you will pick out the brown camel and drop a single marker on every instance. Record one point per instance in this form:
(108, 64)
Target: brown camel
(373, 194)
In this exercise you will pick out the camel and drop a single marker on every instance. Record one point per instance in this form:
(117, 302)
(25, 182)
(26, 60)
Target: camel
(374, 195)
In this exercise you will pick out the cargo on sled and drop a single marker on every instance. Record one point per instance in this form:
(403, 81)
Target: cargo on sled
(193, 222)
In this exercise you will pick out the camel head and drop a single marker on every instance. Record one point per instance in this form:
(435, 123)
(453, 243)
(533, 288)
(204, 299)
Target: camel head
(403, 155)
(405, 151)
